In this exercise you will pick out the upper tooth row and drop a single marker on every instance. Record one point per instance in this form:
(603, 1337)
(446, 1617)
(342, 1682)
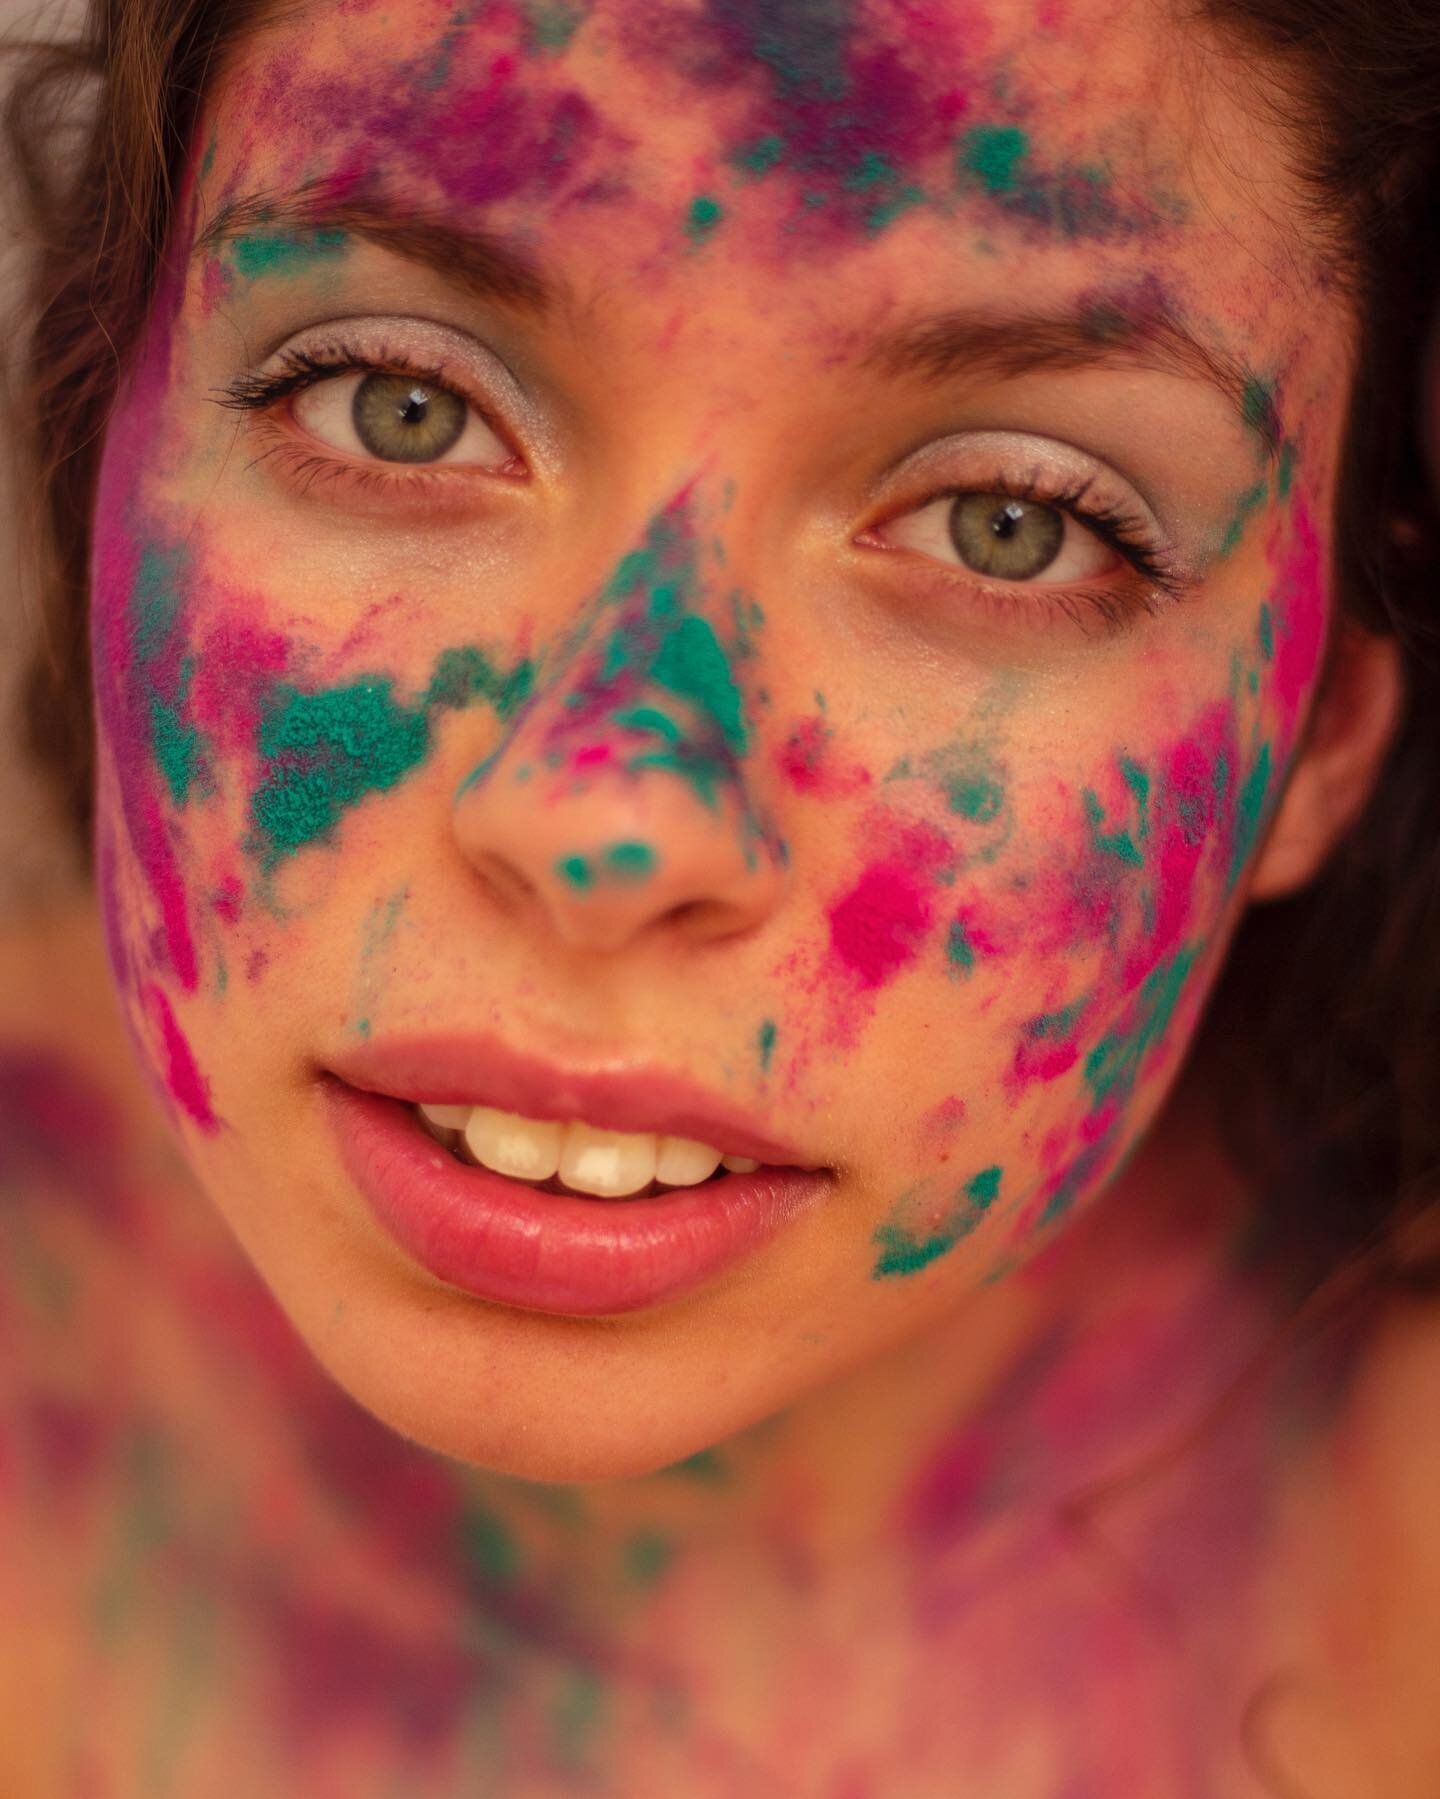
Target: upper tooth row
(609, 1164)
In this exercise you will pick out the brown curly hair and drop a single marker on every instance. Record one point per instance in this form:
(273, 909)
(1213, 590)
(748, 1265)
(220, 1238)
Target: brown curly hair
(1327, 1020)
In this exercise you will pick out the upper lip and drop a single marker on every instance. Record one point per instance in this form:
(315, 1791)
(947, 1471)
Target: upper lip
(620, 1096)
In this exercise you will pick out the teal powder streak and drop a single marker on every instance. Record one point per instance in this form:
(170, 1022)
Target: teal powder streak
(1249, 810)
(959, 951)
(550, 25)
(975, 794)
(285, 252)
(704, 215)
(1112, 1066)
(155, 600)
(630, 861)
(323, 752)
(765, 1043)
(994, 154)
(576, 872)
(1285, 472)
(902, 1253)
(1119, 844)
(1246, 507)
(1266, 631)
(692, 665)
(760, 157)
(176, 745)
(1056, 1027)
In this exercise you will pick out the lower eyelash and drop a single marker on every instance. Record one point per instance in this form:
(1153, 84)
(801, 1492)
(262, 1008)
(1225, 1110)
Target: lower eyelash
(1124, 532)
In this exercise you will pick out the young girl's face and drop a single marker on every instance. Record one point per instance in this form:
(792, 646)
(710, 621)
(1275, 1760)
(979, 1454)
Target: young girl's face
(744, 573)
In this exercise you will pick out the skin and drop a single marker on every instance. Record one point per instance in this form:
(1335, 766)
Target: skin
(897, 807)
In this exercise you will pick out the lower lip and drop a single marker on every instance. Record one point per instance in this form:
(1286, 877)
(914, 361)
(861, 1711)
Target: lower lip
(504, 1241)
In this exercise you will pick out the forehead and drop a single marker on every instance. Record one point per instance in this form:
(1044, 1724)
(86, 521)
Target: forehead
(1089, 143)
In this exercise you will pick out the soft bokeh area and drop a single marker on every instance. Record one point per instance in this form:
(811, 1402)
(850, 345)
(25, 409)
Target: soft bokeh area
(34, 856)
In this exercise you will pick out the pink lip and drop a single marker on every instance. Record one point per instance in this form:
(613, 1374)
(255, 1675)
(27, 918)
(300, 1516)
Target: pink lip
(516, 1245)
(464, 1071)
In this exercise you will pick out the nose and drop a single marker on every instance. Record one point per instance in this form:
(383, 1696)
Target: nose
(620, 803)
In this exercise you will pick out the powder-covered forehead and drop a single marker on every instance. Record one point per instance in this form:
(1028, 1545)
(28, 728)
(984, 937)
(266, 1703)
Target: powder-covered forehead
(1093, 136)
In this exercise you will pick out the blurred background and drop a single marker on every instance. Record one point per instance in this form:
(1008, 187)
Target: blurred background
(34, 861)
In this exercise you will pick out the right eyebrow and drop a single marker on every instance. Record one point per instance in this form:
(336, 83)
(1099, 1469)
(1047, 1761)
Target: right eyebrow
(481, 264)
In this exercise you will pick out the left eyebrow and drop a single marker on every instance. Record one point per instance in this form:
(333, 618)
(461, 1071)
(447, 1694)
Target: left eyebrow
(481, 263)
(1011, 344)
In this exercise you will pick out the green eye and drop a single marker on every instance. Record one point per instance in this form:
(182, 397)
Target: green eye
(402, 419)
(1011, 540)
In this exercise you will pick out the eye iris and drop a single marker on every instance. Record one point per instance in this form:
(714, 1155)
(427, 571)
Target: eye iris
(401, 419)
(1013, 540)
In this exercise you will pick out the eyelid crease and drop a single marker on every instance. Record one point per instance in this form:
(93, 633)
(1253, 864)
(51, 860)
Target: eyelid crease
(1123, 532)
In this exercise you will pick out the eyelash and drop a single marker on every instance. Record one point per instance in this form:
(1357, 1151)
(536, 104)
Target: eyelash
(258, 394)
(1123, 531)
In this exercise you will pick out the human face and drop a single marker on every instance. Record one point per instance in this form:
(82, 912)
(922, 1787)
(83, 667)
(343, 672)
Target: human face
(757, 575)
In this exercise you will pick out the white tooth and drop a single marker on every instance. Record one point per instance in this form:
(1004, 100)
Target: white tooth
(527, 1149)
(682, 1162)
(740, 1164)
(446, 1139)
(449, 1118)
(609, 1164)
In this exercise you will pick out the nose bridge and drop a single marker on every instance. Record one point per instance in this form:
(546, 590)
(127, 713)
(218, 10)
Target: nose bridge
(621, 798)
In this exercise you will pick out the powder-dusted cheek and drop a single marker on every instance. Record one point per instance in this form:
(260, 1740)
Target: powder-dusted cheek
(1076, 908)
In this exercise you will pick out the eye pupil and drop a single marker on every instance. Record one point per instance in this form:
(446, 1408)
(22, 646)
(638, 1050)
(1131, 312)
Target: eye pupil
(1009, 539)
(400, 419)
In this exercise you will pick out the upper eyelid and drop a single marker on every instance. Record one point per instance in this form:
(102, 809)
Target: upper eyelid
(493, 386)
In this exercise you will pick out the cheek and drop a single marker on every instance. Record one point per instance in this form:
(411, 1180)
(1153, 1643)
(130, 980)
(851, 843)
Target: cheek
(1020, 952)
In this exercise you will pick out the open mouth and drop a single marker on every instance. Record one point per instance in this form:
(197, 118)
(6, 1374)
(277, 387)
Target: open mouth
(575, 1157)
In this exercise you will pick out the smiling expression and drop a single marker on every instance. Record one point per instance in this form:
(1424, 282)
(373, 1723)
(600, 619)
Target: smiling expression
(785, 545)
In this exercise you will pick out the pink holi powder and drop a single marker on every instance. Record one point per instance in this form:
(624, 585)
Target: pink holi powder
(881, 924)
(806, 764)
(183, 1079)
(1299, 598)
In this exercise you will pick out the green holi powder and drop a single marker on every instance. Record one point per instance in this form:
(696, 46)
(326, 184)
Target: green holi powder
(576, 1715)
(485, 1546)
(1056, 1027)
(1249, 810)
(704, 215)
(649, 718)
(550, 25)
(765, 1043)
(692, 665)
(645, 1557)
(175, 744)
(285, 252)
(1246, 507)
(975, 794)
(705, 1465)
(1266, 630)
(760, 157)
(144, 1525)
(155, 600)
(1285, 470)
(323, 752)
(1257, 407)
(1111, 1067)
(993, 155)
(959, 951)
(630, 861)
(576, 872)
(903, 1253)
(1119, 844)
